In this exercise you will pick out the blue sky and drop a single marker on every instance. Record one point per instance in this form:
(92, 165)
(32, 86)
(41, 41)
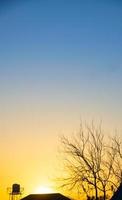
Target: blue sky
(61, 50)
(65, 31)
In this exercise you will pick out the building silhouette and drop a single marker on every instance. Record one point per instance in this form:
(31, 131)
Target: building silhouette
(52, 196)
(118, 194)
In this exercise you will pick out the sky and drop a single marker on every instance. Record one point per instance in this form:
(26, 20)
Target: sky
(60, 62)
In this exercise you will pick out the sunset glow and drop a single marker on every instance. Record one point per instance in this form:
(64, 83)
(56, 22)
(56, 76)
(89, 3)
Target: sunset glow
(43, 190)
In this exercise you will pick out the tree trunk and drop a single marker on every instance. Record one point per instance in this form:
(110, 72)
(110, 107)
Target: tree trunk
(96, 192)
(104, 194)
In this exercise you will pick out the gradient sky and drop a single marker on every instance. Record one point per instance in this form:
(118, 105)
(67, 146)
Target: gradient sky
(60, 61)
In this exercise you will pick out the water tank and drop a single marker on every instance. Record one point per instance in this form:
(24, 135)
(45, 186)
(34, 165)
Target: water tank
(16, 188)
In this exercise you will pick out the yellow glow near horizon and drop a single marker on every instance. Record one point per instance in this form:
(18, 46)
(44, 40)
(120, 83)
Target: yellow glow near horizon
(43, 190)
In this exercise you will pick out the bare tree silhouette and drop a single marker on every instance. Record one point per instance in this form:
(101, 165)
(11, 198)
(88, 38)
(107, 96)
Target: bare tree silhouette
(92, 162)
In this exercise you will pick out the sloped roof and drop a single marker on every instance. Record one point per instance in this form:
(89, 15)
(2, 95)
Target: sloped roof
(52, 196)
(118, 194)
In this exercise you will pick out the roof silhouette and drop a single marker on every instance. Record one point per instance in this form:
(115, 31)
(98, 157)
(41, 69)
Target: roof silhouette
(51, 196)
(118, 194)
